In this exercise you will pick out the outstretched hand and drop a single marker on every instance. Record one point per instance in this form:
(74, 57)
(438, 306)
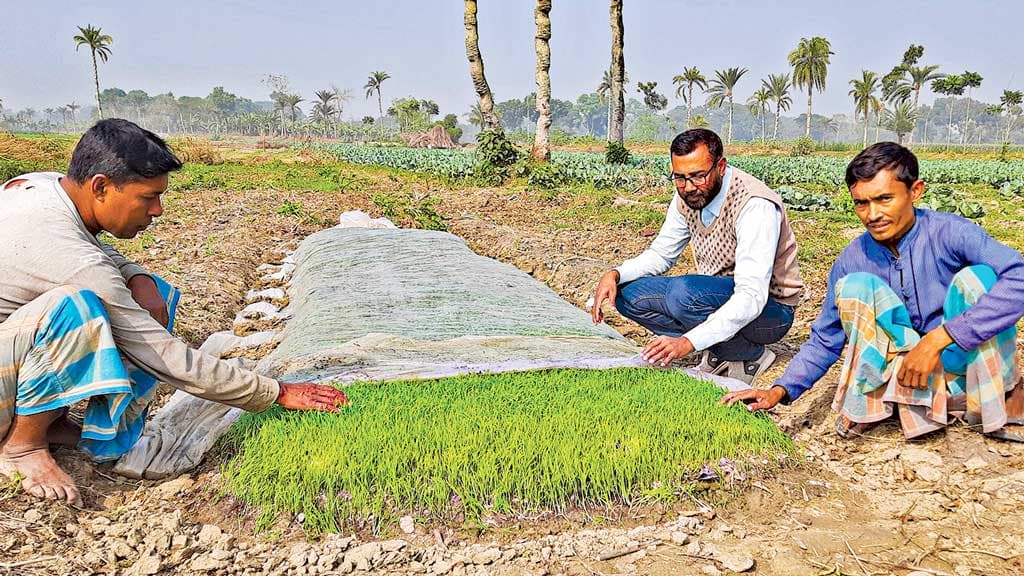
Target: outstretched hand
(756, 399)
(309, 396)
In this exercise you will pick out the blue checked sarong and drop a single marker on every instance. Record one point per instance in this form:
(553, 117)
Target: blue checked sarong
(58, 350)
(879, 334)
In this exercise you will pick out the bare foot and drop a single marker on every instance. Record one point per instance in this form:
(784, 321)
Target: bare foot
(1015, 404)
(846, 428)
(64, 432)
(43, 477)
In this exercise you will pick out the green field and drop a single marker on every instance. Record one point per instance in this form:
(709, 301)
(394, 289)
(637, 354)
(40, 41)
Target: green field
(474, 445)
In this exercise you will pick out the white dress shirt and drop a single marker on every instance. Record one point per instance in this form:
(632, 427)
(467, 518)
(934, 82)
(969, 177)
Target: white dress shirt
(757, 238)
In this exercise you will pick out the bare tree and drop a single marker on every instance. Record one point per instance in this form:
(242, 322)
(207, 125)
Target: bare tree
(541, 144)
(476, 68)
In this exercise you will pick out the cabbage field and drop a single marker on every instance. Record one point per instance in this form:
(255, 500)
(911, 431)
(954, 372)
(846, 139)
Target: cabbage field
(591, 168)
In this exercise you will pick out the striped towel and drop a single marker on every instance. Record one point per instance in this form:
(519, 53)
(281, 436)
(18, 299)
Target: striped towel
(879, 334)
(73, 357)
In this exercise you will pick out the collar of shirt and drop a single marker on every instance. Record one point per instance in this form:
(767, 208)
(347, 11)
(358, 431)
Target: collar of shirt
(710, 212)
(904, 246)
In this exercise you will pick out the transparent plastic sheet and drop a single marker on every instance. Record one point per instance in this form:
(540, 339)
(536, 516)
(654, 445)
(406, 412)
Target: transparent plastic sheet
(387, 304)
(371, 302)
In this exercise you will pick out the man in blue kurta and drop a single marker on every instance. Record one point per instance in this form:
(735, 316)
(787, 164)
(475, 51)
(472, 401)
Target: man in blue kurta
(925, 304)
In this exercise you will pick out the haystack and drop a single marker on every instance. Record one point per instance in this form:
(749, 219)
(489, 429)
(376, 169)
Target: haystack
(436, 137)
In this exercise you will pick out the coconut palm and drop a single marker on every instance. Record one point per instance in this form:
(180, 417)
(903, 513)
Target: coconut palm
(476, 116)
(720, 90)
(901, 119)
(688, 79)
(878, 109)
(290, 103)
(909, 85)
(810, 60)
(698, 121)
(604, 92)
(833, 125)
(618, 73)
(72, 109)
(864, 99)
(323, 108)
(758, 105)
(373, 84)
(1010, 102)
(476, 67)
(914, 77)
(541, 144)
(952, 85)
(971, 80)
(99, 44)
(778, 86)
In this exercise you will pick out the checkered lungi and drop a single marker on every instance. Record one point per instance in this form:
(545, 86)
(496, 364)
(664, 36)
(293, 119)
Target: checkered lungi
(879, 334)
(58, 350)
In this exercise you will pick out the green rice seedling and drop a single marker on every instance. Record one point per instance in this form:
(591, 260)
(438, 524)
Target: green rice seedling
(467, 446)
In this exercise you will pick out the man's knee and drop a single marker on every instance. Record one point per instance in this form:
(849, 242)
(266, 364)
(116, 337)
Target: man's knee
(639, 295)
(858, 285)
(693, 294)
(977, 279)
(71, 301)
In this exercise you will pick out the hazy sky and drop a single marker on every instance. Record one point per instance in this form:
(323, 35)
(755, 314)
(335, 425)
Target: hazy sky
(190, 46)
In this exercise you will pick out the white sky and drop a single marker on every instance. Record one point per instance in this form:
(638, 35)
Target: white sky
(190, 46)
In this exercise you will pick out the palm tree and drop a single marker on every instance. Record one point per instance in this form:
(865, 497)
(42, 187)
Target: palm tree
(864, 99)
(72, 109)
(810, 60)
(778, 86)
(323, 109)
(698, 121)
(541, 144)
(618, 73)
(833, 125)
(476, 116)
(971, 80)
(901, 119)
(604, 92)
(721, 89)
(98, 43)
(290, 102)
(877, 108)
(1010, 102)
(373, 83)
(476, 67)
(758, 104)
(952, 85)
(914, 77)
(689, 78)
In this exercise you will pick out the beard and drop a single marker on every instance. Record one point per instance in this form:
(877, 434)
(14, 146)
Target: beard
(698, 198)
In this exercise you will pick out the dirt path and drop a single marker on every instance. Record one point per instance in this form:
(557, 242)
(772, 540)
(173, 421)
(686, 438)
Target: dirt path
(952, 503)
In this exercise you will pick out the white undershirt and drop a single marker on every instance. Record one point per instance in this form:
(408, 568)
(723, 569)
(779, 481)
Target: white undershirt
(758, 227)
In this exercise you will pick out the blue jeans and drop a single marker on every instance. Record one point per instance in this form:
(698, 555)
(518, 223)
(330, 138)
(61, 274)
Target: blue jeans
(673, 306)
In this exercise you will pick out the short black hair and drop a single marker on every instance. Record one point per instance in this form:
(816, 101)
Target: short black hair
(121, 150)
(883, 156)
(687, 142)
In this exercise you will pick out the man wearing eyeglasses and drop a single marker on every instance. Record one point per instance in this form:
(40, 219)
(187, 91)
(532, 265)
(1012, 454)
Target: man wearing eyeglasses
(747, 282)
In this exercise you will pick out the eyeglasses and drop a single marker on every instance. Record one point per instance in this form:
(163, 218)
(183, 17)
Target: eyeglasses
(680, 180)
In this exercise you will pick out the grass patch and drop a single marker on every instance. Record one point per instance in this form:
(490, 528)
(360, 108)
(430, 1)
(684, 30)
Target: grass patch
(468, 446)
(273, 174)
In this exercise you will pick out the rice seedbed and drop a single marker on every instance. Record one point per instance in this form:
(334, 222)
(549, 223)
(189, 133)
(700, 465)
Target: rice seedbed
(468, 446)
